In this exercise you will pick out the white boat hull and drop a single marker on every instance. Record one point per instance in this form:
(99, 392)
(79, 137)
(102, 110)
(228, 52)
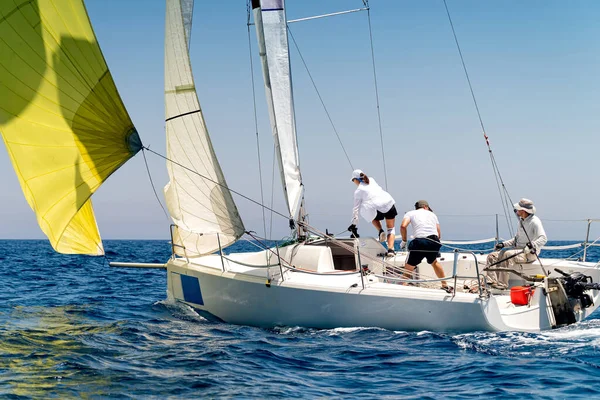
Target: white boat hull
(248, 296)
(250, 301)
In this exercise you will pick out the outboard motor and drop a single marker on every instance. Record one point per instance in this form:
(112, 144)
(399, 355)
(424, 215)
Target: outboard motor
(576, 285)
(567, 295)
(562, 307)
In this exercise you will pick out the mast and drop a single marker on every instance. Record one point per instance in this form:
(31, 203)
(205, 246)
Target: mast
(272, 36)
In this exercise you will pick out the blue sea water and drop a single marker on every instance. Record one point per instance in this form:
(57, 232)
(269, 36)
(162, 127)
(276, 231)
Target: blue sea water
(73, 327)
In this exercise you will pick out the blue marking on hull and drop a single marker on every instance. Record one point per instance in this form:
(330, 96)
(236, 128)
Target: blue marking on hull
(191, 289)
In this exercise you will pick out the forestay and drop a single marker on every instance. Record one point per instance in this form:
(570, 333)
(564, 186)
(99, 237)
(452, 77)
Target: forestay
(197, 197)
(271, 31)
(62, 120)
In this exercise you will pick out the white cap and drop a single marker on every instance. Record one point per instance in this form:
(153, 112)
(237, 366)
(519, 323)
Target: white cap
(356, 174)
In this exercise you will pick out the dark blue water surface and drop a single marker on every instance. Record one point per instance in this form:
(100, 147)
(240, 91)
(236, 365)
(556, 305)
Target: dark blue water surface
(73, 327)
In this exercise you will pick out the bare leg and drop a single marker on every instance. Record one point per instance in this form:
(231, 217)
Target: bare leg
(377, 225)
(391, 237)
(439, 271)
(408, 272)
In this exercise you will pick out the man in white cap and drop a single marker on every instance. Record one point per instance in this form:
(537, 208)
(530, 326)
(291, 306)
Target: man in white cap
(524, 246)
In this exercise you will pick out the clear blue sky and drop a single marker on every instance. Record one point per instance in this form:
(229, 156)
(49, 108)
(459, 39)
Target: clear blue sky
(535, 69)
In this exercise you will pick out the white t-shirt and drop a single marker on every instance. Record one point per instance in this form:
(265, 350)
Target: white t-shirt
(424, 222)
(368, 199)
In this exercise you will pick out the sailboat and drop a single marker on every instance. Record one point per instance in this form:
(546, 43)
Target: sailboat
(67, 130)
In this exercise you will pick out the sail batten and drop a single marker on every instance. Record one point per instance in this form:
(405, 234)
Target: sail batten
(62, 120)
(203, 210)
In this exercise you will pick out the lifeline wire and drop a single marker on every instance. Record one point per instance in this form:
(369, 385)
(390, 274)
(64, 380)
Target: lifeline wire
(320, 98)
(366, 3)
(217, 183)
(499, 180)
(262, 197)
(343, 245)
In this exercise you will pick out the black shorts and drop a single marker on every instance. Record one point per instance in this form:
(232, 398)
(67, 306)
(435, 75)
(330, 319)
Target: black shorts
(390, 214)
(420, 248)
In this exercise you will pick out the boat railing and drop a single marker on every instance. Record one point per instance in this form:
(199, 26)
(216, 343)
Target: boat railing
(390, 277)
(287, 267)
(586, 244)
(360, 271)
(231, 260)
(282, 265)
(455, 276)
(479, 277)
(360, 268)
(587, 238)
(174, 245)
(265, 266)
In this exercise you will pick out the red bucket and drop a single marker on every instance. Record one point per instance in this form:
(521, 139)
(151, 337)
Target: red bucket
(521, 295)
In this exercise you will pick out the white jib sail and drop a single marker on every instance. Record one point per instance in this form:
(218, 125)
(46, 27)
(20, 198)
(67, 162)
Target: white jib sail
(271, 31)
(201, 207)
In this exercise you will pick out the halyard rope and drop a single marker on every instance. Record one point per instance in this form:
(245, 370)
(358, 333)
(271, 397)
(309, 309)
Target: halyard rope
(366, 4)
(152, 184)
(262, 197)
(216, 183)
(320, 98)
(505, 198)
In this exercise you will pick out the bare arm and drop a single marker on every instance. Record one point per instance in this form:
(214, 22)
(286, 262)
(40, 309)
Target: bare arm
(439, 231)
(403, 230)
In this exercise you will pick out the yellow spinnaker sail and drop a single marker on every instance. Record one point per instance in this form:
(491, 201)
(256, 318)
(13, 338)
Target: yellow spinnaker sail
(62, 120)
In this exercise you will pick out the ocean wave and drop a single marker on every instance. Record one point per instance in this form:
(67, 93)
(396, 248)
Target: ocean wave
(71, 327)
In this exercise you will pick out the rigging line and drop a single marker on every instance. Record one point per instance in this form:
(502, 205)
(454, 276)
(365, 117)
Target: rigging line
(189, 39)
(465, 70)
(505, 198)
(366, 3)
(505, 209)
(291, 21)
(352, 249)
(320, 98)
(262, 197)
(216, 183)
(267, 248)
(565, 220)
(529, 240)
(494, 165)
(272, 191)
(152, 182)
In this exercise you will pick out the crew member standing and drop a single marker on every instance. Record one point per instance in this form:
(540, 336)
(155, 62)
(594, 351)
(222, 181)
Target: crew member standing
(426, 242)
(374, 205)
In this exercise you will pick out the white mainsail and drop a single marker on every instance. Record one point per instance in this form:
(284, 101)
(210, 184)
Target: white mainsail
(197, 197)
(271, 31)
